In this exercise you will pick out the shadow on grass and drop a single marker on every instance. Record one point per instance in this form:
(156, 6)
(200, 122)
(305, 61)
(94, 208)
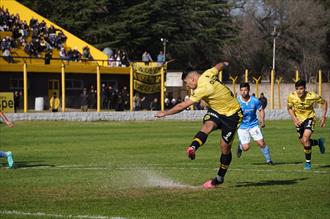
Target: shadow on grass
(30, 164)
(325, 166)
(280, 163)
(270, 182)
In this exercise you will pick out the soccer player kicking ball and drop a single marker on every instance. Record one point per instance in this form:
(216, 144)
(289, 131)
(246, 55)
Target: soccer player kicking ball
(301, 109)
(224, 113)
(8, 155)
(250, 124)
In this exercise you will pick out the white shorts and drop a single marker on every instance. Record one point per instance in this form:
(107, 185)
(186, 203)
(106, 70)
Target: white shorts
(245, 135)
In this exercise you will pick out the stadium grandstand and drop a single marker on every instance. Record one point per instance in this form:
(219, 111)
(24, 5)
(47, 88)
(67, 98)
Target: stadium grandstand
(49, 59)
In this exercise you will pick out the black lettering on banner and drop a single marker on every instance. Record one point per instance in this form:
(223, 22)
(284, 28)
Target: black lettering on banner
(6, 102)
(146, 79)
(146, 88)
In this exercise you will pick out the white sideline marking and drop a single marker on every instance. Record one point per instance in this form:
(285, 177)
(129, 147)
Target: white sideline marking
(79, 167)
(41, 214)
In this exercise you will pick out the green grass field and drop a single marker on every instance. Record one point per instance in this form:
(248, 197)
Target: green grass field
(140, 170)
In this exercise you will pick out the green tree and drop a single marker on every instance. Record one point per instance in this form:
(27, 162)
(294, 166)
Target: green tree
(196, 30)
(302, 26)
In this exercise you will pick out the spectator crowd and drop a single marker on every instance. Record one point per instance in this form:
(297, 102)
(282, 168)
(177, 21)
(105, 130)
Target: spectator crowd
(36, 38)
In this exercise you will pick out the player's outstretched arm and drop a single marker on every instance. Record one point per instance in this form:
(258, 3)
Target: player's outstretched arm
(176, 109)
(5, 120)
(324, 114)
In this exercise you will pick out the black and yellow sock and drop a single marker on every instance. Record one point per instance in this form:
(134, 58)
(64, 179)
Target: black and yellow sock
(199, 140)
(225, 160)
(314, 142)
(308, 153)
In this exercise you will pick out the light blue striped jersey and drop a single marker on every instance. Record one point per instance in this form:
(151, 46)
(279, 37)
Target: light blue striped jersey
(249, 108)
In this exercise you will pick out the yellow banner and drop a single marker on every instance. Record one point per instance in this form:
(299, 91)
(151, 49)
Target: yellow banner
(7, 102)
(146, 88)
(146, 78)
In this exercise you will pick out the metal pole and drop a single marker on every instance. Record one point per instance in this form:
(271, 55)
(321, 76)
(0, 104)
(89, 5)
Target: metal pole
(320, 83)
(131, 88)
(246, 76)
(98, 88)
(162, 88)
(234, 84)
(297, 75)
(63, 88)
(164, 44)
(279, 92)
(274, 46)
(272, 76)
(257, 85)
(25, 88)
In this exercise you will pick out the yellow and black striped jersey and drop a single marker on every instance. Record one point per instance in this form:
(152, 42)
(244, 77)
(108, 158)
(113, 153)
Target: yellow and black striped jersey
(217, 95)
(304, 107)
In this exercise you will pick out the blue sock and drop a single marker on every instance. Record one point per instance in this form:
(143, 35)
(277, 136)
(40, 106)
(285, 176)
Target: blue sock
(265, 151)
(3, 154)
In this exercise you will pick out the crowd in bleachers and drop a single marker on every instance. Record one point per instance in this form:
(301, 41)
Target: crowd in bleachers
(118, 58)
(36, 38)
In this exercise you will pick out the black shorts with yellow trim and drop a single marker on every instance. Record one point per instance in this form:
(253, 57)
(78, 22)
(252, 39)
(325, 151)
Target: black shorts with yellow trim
(227, 124)
(307, 124)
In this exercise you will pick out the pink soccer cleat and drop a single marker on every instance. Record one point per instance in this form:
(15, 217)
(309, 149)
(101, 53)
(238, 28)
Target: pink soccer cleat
(208, 185)
(191, 153)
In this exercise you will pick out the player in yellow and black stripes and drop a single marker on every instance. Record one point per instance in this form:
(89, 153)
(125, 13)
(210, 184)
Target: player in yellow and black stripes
(224, 113)
(301, 109)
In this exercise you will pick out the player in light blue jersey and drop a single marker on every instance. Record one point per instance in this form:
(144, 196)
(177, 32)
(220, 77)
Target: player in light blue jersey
(250, 124)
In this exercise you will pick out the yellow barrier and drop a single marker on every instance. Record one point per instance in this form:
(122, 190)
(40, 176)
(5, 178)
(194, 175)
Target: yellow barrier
(234, 84)
(320, 83)
(131, 89)
(257, 80)
(162, 89)
(272, 78)
(279, 92)
(98, 88)
(246, 76)
(63, 87)
(297, 77)
(25, 88)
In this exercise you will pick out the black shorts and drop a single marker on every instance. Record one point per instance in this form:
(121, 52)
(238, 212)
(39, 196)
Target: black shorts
(227, 124)
(307, 124)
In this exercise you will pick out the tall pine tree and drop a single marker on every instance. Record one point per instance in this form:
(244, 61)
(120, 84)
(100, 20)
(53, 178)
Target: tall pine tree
(196, 30)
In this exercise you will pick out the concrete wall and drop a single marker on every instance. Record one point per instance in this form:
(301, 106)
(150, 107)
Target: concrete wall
(129, 116)
(286, 89)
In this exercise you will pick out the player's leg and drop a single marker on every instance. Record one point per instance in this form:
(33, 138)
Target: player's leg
(9, 156)
(2, 154)
(200, 138)
(225, 160)
(264, 149)
(229, 126)
(305, 140)
(257, 136)
(244, 141)
(306, 131)
(321, 145)
(315, 142)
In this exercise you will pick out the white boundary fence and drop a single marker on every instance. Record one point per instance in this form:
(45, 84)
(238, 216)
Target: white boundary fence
(195, 115)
